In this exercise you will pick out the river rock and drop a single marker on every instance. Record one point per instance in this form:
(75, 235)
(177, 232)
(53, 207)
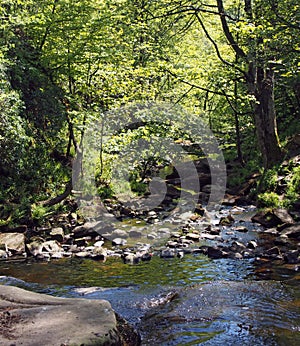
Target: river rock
(119, 242)
(57, 233)
(237, 256)
(273, 218)
(271, 231)
(241, 229)
(130, 258)
(227, 220)
(164, 231)
(152, 236)
(216, 252)
(135, 234)
(193, 236)
(99, 253)
(14, 242)
(237, 246)
(292, 257)
(99, 243)
(52, 246)
(292, 231)
(195, 217)
(3, 254)
(119, 233)
(35, 247)
(82, 254)
(210, 236)
(274, 251)
(81, 241)
(252, 244)
(175, 235)
(29, 318)
(172, 244)
(284, 216)
(168, 253)
(92, 229)
(230, 200)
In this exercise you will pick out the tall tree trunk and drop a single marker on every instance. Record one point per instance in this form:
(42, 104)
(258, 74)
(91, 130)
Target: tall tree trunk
(260, 83)
(265, 118)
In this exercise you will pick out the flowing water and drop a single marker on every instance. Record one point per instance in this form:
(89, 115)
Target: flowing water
(187, 301)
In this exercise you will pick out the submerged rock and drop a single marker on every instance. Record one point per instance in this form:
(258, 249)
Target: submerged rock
(225, 313)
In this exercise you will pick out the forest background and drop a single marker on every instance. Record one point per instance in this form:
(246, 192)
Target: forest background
(232, 63)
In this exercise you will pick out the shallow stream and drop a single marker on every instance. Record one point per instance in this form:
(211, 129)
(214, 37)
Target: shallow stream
(183, 301)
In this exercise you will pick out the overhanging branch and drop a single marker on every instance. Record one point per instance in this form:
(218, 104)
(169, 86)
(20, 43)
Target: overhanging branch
(240, 53)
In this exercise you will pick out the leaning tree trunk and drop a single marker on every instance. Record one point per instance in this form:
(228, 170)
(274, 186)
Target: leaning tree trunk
(265, 117)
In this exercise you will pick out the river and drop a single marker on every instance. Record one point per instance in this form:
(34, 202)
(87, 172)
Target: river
(182, 301)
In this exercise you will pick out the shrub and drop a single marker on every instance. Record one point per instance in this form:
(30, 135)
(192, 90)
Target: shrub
(269, 199)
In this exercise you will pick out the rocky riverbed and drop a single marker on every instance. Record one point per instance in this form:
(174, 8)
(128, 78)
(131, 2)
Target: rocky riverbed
(235, 231)
(229, 233)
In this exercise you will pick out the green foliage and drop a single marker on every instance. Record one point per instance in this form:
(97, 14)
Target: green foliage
(64, 63)
(270, 179)
(281, 186)
(39, 212)
(269, 200)
(293, 186)
(104, 191)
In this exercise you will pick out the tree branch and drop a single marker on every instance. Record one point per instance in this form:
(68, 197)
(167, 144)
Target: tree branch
(240, 53)
(194, 85)
(212, 41)
(47, 31)
(57, 199)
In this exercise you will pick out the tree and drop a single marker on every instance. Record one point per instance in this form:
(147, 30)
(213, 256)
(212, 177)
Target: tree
(259, 77)
(254, 31)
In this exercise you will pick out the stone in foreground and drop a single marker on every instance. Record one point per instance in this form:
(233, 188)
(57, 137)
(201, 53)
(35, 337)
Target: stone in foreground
(28, 319)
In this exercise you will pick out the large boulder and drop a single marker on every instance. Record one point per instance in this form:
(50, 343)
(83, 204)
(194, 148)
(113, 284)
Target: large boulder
(28, 318)
(292, 231)
(273, 218)
(14, 242)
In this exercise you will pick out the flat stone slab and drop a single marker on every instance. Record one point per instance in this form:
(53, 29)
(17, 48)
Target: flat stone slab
(33, 319)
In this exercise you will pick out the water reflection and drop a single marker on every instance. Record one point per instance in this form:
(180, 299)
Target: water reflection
(220, 301)
(113, 273)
